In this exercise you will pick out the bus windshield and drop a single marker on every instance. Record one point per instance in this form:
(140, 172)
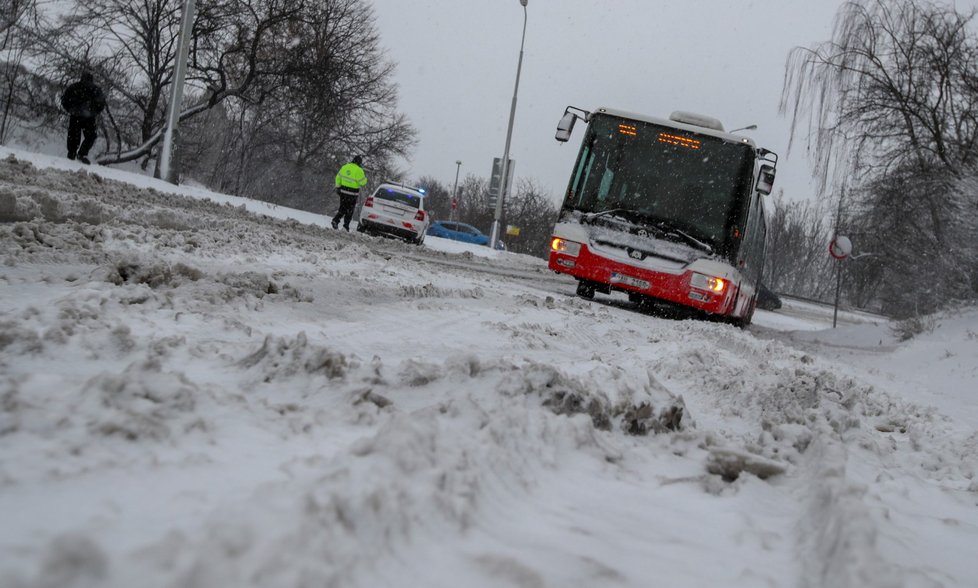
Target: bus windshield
(692, 182)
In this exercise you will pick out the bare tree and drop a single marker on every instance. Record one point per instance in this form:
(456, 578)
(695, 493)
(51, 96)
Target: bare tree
(324, 94)
(438, 199)
(532, 210)
(133, 45)
(474, 205)
(14, 15)
(292, 88)
(17, 18)
(797, 261)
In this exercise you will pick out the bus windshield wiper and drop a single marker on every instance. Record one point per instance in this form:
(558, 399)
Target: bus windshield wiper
(668, 228)
(590, 216)
(627, 216)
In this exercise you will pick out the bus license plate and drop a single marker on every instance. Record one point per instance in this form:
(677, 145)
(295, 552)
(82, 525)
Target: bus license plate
(617, 278)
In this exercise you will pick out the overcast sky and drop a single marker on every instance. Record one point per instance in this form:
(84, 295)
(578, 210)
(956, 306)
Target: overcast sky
(457, 65)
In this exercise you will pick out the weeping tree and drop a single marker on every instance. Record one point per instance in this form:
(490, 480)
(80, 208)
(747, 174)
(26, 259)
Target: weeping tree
(889, 109)
(916, 270)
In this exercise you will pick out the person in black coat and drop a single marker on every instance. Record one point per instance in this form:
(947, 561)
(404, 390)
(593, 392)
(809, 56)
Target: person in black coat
(83, 101)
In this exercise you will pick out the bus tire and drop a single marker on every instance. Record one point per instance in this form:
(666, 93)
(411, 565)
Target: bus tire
(585, 289)
(745, 321)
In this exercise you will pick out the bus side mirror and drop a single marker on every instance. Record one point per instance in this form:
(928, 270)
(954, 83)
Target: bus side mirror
(565, 127)
(765, 180)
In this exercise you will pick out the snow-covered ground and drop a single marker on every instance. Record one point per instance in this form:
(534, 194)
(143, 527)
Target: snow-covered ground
(202, 391)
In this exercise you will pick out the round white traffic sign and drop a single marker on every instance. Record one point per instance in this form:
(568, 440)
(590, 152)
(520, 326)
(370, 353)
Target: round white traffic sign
(840, 247)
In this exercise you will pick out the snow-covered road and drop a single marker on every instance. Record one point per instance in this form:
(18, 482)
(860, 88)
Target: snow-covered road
(196, 395)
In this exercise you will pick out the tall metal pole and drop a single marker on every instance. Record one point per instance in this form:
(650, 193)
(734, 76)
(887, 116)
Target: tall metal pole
(504, 168)
(176, 96)
(838, 273)
(451, 214)
(838, 291)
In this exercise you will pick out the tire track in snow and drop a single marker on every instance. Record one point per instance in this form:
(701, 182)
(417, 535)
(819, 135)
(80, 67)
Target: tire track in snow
(785, 404)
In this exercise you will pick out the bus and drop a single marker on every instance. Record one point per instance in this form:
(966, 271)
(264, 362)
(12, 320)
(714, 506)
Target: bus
(669, 211)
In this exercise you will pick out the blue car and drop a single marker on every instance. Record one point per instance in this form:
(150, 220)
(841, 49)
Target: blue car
(460, 232)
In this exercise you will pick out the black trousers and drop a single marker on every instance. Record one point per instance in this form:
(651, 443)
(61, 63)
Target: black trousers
(76, 126)
(348, 202)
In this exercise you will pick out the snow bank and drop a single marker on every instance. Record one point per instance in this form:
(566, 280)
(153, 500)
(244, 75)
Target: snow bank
(196, 395)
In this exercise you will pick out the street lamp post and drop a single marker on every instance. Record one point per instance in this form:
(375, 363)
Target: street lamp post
(451, 214)
(504, 167)
(167, 172)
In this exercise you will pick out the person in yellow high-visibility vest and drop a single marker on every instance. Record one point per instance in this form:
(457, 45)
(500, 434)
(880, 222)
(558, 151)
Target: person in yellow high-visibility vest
(349, 180)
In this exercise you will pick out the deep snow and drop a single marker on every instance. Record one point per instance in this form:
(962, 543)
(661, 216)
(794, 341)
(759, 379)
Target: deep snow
(197, 390)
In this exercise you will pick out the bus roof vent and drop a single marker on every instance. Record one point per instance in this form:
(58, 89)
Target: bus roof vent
(699, 120)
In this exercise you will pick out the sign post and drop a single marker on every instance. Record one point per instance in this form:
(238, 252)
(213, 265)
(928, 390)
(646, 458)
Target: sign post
(495, 180)
(839, 248)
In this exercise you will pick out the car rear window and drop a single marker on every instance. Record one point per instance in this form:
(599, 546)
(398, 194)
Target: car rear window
(412, 200)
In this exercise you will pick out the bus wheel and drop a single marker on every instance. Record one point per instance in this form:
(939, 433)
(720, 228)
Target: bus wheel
(642, 303)
(745, 321)
(585, 289)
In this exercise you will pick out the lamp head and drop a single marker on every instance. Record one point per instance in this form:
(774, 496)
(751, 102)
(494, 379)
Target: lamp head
(747, 128)
(523, 2)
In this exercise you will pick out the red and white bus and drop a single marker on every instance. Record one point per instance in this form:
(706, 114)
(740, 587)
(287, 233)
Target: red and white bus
(669, 211)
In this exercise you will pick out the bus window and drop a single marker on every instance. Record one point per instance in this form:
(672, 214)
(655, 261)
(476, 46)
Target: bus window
(605, 186)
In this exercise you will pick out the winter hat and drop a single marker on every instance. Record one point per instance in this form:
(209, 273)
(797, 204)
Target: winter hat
(357, 159)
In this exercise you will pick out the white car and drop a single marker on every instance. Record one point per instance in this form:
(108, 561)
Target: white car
(395, 209)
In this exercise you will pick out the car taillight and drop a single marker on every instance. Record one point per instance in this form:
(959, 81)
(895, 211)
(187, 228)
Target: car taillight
(369, 202)
(419, 216)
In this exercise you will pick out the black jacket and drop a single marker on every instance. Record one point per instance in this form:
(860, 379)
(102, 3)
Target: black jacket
(83, 99)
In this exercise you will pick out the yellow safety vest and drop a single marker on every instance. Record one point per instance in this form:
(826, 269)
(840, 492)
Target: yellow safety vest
(351, 176)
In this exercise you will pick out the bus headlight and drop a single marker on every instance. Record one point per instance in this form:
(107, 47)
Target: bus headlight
(558, 245)
(704, 282)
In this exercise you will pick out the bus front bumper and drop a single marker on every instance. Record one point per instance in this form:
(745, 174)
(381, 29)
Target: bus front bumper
(666, 286)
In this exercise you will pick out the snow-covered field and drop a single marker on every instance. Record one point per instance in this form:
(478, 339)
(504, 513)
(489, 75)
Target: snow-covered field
(200, 391)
